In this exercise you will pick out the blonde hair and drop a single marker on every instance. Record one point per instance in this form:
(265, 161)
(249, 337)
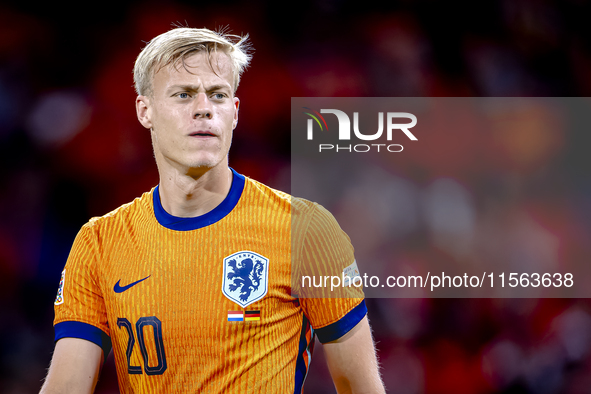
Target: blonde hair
(178, 44)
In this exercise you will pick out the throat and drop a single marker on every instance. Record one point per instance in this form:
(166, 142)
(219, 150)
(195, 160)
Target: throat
(186, 197)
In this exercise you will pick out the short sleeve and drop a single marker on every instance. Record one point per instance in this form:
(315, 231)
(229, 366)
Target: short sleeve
(80, 310)
(326, 254)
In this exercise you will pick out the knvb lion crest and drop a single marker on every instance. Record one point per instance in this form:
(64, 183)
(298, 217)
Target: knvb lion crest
(245, 277)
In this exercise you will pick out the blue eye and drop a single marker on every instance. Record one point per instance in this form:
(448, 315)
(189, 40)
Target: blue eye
(183, 95)
(219, 96)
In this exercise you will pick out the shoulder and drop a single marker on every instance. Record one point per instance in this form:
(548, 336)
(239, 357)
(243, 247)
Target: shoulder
(306, 216)
(131, 211)
(297, 206)
(255, 187)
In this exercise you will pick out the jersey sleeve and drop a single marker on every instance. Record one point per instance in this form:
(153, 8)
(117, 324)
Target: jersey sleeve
(326, 254)
(80, 310)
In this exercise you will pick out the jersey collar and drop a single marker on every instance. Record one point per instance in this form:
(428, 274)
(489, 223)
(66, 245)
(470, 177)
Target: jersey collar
(211, 217)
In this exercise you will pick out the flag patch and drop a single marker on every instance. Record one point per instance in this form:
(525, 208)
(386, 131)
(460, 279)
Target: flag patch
(235, 316)
(59, 299)
(252, 315)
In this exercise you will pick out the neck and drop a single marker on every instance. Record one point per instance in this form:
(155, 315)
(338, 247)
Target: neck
(186, 196)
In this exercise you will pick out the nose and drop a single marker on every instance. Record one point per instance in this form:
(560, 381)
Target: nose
(203, 107)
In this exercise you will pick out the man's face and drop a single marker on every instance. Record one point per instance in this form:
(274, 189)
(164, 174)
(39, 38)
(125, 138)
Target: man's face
(191, 113)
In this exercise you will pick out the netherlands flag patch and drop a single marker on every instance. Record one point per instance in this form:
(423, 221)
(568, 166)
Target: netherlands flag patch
(235, 316)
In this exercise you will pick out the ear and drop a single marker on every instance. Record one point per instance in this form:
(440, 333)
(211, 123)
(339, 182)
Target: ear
(237, 106)
(143, 109)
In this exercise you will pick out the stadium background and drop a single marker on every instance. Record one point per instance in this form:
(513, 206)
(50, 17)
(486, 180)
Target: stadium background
(71, 148)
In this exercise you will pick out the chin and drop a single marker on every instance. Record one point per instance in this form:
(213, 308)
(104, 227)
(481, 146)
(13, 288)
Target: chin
(204, 164)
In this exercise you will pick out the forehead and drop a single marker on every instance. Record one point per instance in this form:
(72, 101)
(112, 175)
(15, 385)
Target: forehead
(204, 67)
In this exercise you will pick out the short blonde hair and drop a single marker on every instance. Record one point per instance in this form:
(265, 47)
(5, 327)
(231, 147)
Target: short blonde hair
(178, 44)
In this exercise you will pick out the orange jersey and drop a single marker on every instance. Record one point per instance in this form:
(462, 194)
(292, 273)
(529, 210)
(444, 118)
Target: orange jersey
(206, 304)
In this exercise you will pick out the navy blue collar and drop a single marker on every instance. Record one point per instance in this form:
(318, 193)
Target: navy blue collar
(217, 214)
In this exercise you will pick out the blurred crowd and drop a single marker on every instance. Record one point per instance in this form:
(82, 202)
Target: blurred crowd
(72, 148)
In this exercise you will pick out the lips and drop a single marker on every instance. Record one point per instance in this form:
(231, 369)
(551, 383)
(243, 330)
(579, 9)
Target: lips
(202, 133)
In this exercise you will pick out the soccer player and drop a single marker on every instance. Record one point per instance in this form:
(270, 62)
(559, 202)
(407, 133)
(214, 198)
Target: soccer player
(191, 283)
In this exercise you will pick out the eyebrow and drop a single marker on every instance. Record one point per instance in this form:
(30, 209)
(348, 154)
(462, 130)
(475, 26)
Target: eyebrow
(194, 88)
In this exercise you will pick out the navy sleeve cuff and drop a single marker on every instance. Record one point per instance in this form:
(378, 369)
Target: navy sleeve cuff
(76, 329)
(344, 325)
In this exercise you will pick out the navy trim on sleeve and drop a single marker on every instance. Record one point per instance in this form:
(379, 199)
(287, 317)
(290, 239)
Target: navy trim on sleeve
(76, 329)
(218, 213)
(344, 325)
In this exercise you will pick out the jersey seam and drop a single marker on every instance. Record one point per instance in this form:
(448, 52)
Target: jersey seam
(307, 226)
(95, 266)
